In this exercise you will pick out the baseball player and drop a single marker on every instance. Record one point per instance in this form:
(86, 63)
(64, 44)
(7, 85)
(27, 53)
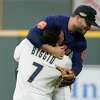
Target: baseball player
(50, 39)
(37, 78)
(72, 31)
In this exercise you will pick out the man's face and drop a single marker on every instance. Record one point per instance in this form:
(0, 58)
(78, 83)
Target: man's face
(81, 25)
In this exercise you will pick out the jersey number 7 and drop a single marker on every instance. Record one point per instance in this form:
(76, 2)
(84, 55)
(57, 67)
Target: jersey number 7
(36, 72)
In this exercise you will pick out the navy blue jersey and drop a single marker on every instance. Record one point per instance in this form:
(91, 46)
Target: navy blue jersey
(77, 44)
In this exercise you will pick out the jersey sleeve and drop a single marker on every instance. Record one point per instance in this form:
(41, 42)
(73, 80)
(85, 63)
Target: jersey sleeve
(17, 54)
(18, 51)
(35, 33)
(77, 57)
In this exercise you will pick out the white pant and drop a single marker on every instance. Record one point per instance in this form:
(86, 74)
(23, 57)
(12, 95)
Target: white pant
(62, 93)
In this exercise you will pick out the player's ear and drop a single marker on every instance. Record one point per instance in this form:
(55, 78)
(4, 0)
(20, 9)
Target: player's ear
(41, 25)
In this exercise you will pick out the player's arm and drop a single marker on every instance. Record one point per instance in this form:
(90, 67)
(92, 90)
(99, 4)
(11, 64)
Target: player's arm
(36, 32)
(76, 62)
(68, 76)
(57, 51)
(78, 57)
(35, 37)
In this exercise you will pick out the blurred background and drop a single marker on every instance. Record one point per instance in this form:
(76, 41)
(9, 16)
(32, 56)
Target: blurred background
(18, 16)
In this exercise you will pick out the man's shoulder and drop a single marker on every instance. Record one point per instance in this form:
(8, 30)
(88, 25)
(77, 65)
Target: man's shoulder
(57, 17)
(59, 21)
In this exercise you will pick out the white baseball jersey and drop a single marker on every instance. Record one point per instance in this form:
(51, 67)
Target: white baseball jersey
(37, 74)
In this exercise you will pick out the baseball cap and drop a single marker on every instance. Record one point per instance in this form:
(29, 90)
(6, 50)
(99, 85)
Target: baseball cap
(88, 13)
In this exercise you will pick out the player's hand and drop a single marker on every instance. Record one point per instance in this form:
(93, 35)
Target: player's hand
(59, 51)
(67, 77)
(66, 73)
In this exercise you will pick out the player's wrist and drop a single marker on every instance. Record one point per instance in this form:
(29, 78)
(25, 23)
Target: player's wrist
(53, 52)
(48, 48)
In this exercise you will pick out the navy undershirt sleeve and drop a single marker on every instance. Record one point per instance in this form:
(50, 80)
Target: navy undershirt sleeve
(76, 62)
(77, 59)
(34, 36)
(35, 33)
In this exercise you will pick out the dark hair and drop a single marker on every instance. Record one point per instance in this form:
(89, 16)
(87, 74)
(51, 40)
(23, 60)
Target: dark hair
(50, 35)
